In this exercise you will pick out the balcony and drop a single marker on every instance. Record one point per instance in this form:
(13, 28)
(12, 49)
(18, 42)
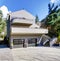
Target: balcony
(22, 20)
(16, 30)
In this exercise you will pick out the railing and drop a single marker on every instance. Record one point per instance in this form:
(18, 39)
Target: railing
(28, 30)
(21, 20)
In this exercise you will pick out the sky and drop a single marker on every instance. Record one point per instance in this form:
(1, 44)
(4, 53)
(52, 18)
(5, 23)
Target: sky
(35, 7)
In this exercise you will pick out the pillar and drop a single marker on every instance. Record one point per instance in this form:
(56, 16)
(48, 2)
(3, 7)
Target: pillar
(26, 42)
(11, 43)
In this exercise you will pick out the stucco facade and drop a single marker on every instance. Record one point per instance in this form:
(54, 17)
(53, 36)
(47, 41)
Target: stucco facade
(22, 30)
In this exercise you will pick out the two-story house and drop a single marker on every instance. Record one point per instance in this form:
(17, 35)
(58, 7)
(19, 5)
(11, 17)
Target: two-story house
(22, 30)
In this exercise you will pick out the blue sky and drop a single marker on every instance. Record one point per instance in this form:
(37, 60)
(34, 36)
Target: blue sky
(36, 7)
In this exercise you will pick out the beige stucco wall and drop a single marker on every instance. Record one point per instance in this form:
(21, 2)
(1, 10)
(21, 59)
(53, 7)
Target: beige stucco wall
(28, 21)
(18, 30)
(22, 37)
(22, 16)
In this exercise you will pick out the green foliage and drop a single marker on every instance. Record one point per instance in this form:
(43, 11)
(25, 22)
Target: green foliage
(52, 8)
(36, 19)
(2, 24)
(1, 15)
(53, 19)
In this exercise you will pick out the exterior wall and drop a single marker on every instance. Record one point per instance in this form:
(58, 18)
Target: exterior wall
(22, 13)
(18, 27)
(17, 30)
(26, 41)
(21, 25)
(22, 16)
(28, 21)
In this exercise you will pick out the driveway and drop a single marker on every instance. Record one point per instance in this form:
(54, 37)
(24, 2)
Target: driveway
(5, 54)
(36, 54)
(30, 54)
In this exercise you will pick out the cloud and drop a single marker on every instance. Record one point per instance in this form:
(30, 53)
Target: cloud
(54, 1)
(4, 11)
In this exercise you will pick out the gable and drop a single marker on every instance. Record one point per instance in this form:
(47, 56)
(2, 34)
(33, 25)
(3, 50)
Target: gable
(22, 14)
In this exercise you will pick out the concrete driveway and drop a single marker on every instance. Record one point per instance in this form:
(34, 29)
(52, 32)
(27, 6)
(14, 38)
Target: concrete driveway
(5, 54)
(36, 54)
(30, 54)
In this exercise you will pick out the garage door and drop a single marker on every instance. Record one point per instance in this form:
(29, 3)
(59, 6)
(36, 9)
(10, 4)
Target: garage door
(18, 43)
(32, 42)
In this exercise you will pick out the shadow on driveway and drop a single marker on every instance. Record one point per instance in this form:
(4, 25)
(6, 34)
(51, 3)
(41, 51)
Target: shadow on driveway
(3, 46)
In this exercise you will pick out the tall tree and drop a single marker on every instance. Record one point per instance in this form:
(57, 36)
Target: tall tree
(52, 14)
(53, 19)
(2, 24)
(36, 19)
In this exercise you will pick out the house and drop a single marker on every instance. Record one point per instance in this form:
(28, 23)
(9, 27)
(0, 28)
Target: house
(22, 30)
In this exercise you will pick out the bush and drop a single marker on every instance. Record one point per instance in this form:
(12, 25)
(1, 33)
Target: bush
(58, 41)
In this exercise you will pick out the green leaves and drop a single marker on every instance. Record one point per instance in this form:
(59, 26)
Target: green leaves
(53, 18)
(52, 8)
(1, 15)
(2, 24)
(36, 19)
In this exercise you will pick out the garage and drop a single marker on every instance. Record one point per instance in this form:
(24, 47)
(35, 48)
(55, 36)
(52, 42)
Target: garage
(18, 43)
(32, 42)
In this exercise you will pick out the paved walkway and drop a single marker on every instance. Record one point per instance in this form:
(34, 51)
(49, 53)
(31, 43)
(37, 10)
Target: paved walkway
(30, 54)
(36, 54)
(5, 54)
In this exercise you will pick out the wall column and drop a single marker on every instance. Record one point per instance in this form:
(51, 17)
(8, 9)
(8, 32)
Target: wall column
(26, 42)
(11, 43)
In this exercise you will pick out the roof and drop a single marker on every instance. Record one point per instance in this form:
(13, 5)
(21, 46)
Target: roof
(22, 14)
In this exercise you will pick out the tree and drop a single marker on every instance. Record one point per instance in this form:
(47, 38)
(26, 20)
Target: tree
(52, 14)
(2, 25)
(1, 14)
(53, 19)
(36, 19)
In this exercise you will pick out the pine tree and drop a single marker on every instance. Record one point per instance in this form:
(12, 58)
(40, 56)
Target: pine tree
(36, 19)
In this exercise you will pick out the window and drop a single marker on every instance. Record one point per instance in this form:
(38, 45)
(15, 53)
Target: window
(18, 41)
(32, 40)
